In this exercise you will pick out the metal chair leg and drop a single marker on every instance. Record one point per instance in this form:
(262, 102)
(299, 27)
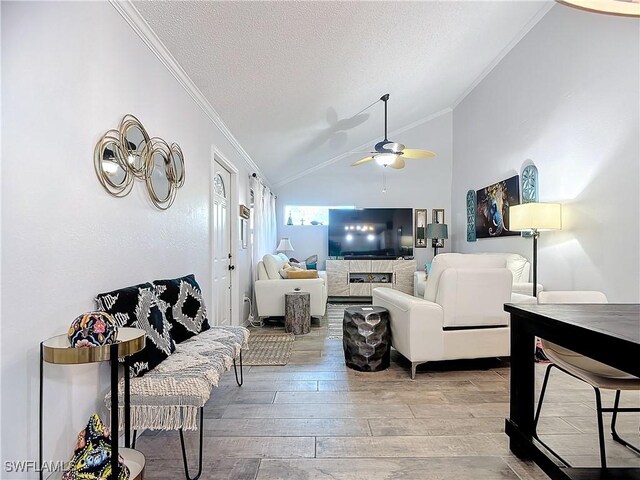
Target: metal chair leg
(235, 369)
(184, 452)
(614, 433)
(542, 392)
(539, 409)
(135, 435)
(603, 453)
(616, 409)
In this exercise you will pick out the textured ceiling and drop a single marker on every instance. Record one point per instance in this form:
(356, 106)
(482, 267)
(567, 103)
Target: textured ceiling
(287, 77)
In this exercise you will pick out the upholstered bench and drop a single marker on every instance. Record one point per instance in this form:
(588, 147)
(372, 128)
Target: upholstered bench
(170, 396)
(173, 377)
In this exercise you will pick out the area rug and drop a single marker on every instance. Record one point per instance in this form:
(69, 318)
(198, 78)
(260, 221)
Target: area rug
(335, 314)
(268, 349)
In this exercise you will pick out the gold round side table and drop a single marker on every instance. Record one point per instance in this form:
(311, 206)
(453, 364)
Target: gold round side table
(57, 350)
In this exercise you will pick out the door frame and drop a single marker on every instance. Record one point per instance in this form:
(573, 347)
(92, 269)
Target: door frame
(234, 225)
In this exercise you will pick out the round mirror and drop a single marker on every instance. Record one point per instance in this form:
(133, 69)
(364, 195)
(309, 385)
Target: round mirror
(178, 164)
(160, 174)
(134, 141)
(107, 159)
(159, 178)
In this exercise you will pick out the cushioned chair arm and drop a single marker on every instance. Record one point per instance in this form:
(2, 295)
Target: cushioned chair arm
(525, 288)
(416, 324)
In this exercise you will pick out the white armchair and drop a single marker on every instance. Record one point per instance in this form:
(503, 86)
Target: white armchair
(460, 316)
(270, 288)
(521, 289)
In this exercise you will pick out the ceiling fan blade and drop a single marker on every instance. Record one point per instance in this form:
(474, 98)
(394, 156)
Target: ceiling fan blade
(417, 153)
(397, 164)
(362, 160)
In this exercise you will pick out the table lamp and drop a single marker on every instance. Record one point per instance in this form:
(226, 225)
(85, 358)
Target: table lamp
(437, 231)
(284, 246)
(535, 217)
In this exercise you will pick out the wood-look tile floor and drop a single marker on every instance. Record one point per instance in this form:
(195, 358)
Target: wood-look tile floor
(316, 419)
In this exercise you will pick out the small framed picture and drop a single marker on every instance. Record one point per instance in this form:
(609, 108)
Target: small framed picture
(437, 216)
(420, 240)
(244, 232)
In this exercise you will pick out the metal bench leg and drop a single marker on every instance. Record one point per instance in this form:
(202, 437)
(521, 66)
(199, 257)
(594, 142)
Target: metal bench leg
(184, 452)
(235, 369)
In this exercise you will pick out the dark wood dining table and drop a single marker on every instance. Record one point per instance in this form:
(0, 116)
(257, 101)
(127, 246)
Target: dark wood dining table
(609, 333)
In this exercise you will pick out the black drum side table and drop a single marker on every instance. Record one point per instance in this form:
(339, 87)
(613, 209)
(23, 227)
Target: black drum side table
(366, 338)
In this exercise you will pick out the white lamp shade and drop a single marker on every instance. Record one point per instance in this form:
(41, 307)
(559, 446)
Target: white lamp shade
(284, 246)
(535, 215)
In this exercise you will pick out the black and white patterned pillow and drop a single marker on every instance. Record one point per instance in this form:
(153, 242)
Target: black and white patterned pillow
(187, 313)
(139, 307)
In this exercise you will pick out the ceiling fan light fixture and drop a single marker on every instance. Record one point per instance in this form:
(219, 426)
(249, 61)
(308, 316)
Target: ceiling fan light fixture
(630, 8)
(386, 159)
(393, 154)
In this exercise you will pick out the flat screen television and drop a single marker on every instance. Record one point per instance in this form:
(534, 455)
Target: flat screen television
(371, 232)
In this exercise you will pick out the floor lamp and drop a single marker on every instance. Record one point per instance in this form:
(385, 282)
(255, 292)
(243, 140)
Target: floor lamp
(437, 231)
(535, 217)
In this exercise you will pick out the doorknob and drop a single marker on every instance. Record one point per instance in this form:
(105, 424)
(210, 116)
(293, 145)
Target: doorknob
(232, 267)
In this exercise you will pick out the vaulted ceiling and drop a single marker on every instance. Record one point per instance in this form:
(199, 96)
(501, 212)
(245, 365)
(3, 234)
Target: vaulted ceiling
(287, 78)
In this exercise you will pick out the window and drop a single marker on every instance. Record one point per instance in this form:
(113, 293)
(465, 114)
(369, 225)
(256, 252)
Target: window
(307, 214)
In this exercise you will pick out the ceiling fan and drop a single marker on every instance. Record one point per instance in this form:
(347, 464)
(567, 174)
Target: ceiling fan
(392, 154)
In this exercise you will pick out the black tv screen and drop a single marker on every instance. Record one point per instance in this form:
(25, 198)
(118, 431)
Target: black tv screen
(371, 232)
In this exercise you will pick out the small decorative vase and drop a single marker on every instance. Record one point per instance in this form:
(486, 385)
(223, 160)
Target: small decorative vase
(92, 329)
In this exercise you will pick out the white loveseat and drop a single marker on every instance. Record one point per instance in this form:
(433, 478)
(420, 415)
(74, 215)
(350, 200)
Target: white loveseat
(461, 314)
(270, 288)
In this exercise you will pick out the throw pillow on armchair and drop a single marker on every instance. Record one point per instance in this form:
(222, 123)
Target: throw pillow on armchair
(312, 262)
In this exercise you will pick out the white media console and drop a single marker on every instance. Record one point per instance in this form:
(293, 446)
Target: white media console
(357, 278)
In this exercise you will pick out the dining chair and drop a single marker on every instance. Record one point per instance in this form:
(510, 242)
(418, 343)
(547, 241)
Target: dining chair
(596, 374)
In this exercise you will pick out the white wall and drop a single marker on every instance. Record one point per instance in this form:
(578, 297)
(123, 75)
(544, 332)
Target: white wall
(70, 71)
(421, 184)
(566, 97)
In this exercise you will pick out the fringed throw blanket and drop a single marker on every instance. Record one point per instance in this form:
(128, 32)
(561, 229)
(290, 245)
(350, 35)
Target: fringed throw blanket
(169, 396)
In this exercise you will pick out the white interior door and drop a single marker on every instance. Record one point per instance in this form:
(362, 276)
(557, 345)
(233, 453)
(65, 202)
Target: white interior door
(221, 220)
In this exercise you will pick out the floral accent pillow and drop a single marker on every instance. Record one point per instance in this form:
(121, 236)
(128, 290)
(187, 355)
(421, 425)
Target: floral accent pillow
(92, 329)
(92, 455)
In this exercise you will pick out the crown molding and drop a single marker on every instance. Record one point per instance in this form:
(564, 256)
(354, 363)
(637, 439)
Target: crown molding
(368, 145)
(503, 53)
(140, 26)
